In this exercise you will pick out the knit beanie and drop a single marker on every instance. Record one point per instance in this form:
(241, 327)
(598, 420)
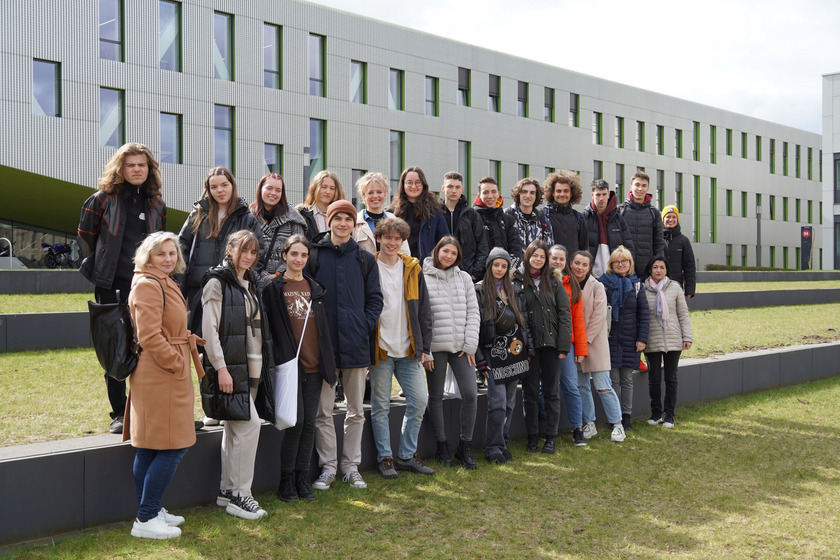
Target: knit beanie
(668, 209)
(339, 207)
(497, 253)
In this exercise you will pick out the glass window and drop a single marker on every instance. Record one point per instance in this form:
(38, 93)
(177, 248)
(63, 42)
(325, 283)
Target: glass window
(798, 210)
(772, 155)
(713, 210)
(697, 208)
(317, 148)
(640, 136)
(171, 138)
(523, 170)
(784, 257)
(494, 171)
(743, 255)
(548, 107)
(493, 94)
(695, 142)
(619, 178)
(728, 254)
(223, 138)
(522, 99)
(355, 175)
(464, 87)
(395, 90)
(432, 90)
(660, 140)
(465, 161)
(728, 202)
(397, 154)
(660, 187)
(757, 148)
(810, 211)
(358, 82)
(273, 158)
(111, 117)
(597, 128)
(837, 179)
(744, 204)
(772, 207)
(597, 169)
(169, 41)
(798, 161)
(729, 141)
(678, 187)
(111, 30)
(223, 46)
(619, 132)
(784, 158)
(785, 208)
(744, 146)
(678, 148)
(317, 64)
(272, 56)
(574, 109)
(712, 143)
(46, 88)
(810, 164)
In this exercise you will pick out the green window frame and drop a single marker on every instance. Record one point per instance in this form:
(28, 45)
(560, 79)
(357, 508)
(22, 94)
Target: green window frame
(678, 144)
(729, 141)
(640, 136)
(729, 202)
(696, 203)
(712, 143)
(695, 141)
(713, 210)
(744, 205)
(660, 140)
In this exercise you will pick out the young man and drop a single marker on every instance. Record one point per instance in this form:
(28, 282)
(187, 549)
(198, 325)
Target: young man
(401, 344)
(607, 229)
(644, 222)
(465, 225)
(114, 221)
(681, 266)
(353, 302)
(530, 221)
(499, 227)
(560, 191)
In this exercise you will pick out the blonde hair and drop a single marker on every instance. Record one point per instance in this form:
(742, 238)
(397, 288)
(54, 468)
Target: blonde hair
(621, 253)
(112, 178)
(152, 244)
(315, 186)
(373, 178)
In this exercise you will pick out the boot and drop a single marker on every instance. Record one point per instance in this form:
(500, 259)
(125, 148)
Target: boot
(626, 422)
(302, 486)
(286, 491)
(533, 443)
(549, 446)
(442, 455)
(464, 455)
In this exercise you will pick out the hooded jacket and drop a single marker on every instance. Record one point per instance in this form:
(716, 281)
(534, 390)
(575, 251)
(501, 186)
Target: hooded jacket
(617, 231)
(500, 229)
(645, 225)
(680, 255)
(468, 228)
(285, 225)
(547, 314)
(531, 226)
(671, 339)
(455, 316)
(568, 226)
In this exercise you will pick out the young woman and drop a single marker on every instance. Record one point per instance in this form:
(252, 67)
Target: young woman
(502, 354)
(278, 221)
(287, 298)
(558, 260)
(629, 329)
(455, 320)
(203, 237)
(159, 414)
(596, 365)
(415, 204)
(233, 362)
(374, 190)
(670, 334)
(549, 322)
(324, 189)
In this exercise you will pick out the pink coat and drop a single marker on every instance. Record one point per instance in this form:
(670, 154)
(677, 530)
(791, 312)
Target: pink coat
(594, 298)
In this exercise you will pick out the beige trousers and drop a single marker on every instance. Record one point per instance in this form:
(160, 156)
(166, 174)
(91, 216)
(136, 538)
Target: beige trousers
(325, 441)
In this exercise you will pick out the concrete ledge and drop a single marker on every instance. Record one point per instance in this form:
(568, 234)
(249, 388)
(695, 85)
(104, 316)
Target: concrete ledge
(734, 300)
(39, 331)
(44, 282)
(766, 276)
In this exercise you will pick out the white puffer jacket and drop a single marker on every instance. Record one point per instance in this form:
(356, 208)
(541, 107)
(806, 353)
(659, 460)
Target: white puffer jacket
(455, 316)
(679, 325)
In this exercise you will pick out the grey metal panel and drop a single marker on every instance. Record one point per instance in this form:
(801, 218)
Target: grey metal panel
(795, 367)
(825, 360)
(760, 276)
(44, 282)
(722, 378)
(3, 332)
(763, 376)
(34, 331)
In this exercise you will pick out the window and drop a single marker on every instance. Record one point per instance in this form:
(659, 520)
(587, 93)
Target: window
(432, 91)
(744, 147)
(784, 208)
(729, 141)
(494, 170)
(695, 142)
(619, 132)
(728, 254)
(619, 180)
(772, 155)
(798, 161)
(836, 179)
(784, 158)
(396, 81)
(548, 107)
(272, 56)
(678, 185)
(169, 39)
(223, 136)
(465, 160)
(744, 204)
(797, 263)
(111, 117)
(397, 154)
(743, 255)
(171, 138)
(712, 143)
(713, 210)
(660, 187)
(757, 206)
(549, 170)
(574, 110)
(660, 140)
(798, 210)
(355, 175)
(784, 257)
(463, 87)
(494, 88)
(810, 164)
(821, 168)
(111, 30)
(223, 46)
(273, 158)
(728, 202)
(757, 147)
(640, 136)
(697, 208)
(597, 128)
(810, 211)
(678, 143)
(523, 170)
(46, 88)
(772, 207)
(317, 148)
(358, 82)
(522, 99)
(317, 65)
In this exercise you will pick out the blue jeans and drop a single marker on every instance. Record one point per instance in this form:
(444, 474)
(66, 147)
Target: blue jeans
(501, 400)
(153, 471)
(609, 400)
(569, 387)
(410, 375)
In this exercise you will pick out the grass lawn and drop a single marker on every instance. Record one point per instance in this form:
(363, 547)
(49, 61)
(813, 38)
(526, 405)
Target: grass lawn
(749, 477)
(764, 286)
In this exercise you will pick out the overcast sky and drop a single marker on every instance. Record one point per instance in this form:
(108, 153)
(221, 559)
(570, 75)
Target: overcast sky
(761, 58)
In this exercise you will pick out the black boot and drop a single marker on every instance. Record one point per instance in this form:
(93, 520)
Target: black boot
(464, 455)
(302, 486)
(549, 446)
(626, 422)
(286, 491)
(533, 443)
(442, 455)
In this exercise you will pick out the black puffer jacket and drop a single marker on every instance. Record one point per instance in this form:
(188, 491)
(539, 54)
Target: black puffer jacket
(548, 314)
(309, 217)
(500, 229)
(645, 223)
(617, 231)
(469, 230)
(568, 226)
(680, 255)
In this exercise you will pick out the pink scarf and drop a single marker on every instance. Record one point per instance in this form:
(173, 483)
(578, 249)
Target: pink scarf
(661, 306)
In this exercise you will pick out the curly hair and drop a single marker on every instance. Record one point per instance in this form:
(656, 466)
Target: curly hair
(213, 214)
(517, 190)
(567, 178)
(373, 178)
(315, 186)
(112, 178)
(258, 206)
(426, 204)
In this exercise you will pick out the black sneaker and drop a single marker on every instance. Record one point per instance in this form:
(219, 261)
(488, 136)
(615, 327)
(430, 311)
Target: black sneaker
(497, 458)
(116, 426)
(386, 468)
(577, 437)
(507, 454)
(550, 447)
(245, 507)
(533, 444)
(223, 499)
(414, 464)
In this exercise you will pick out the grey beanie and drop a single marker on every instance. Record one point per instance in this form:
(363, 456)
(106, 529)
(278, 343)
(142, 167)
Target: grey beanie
(497, 253)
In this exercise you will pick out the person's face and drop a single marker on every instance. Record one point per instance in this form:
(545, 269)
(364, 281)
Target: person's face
(374, 198)
(165, 258)
(621, 266)
(244, 258)
(342, 226)
(527, 196)
(413, 186)
(537, 259)
(562, 193)
(557, 259)
(670, 220)
(638, 189)
(658, 271)
(600, 199)
(390, 243)
(489, 194)
(447, 256)
(499, 268)
(580, 267)
(272, 190)
(453, 189)
(326, 194)
(296, 257)
(135, 169)
(221, 189)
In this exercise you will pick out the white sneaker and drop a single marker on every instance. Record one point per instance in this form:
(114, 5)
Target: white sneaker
(210, 421)
(154, 528)
(589, 430)
(618, 434)
(245, 507)
(667, 424)
(174, 520)
(354, 479)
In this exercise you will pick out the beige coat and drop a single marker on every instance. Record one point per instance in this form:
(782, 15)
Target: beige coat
(679, 325)
(594, 299)
(364, 236)
(159, 412)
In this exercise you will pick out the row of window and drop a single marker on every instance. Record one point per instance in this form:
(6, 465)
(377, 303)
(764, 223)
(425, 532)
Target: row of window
(795, 265)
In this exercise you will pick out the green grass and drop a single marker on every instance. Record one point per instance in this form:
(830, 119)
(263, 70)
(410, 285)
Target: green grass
(749, 477)
(764, 286)
(44, 303)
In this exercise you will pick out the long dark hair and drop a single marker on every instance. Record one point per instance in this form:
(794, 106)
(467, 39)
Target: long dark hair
(567, 271)
(213, 214)
(488, 285)
(258, 206)
(545, 271)
(426, 205)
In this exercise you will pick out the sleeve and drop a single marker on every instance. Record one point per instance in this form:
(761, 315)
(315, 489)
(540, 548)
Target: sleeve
(441, 228)
(186, 237)
(658, 238)
(473, 316)
(583, 233)
(548, 231)
(255, 226)
(598, 319)
(211, 302)
(579, 328)
(373, 294)
(689, 269)
(683, 317)
(424, 314)
(482, 247)
(162, 215)
(147, 302)
(642, 316)
(626, 237)
(514, 242)
(90, 220)
(564, 317)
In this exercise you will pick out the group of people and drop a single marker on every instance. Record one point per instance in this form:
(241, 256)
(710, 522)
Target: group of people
(421, 290)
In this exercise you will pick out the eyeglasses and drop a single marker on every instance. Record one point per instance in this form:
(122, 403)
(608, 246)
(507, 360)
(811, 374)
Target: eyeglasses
(414, 183)
(621, 263)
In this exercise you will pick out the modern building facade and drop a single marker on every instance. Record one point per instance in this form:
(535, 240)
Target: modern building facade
(295, 87)
(831, 185)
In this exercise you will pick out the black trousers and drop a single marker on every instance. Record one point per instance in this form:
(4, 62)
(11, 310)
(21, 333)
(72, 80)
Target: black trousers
(672, 362)
(116, 389)
(545, 368)
(299, 440)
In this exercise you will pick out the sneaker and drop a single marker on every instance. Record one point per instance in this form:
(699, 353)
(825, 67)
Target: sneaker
(414, 464)
(549, 447)
(507, 455)
(497, 458)
(245, 507)
(199, 424)
(655, 420)
(154, 528)
(669, 422)
(324, 481)
(116, 426)
(618, 434)
(589, 430)
(173, 520)
(223, 499)
(354, 479)
(577, 437)
(386, 468)
(533, 444)
(210, 421)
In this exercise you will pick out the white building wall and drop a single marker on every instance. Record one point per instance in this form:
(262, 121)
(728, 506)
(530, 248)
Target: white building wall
(831, 146)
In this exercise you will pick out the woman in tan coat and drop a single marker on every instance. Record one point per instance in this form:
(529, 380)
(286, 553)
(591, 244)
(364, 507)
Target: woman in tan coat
(159, 413)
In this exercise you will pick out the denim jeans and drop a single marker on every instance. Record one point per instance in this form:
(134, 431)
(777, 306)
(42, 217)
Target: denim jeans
(411, 377)
(622, 382)
(501, 400)
(153, 471)
(544, 369)
(569, 387)
(672, 362)
(609, 400)
(465, 377)
(299, 440)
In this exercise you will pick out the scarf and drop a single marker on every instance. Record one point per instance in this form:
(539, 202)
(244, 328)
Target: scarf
(617, 288)
(661, 306)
